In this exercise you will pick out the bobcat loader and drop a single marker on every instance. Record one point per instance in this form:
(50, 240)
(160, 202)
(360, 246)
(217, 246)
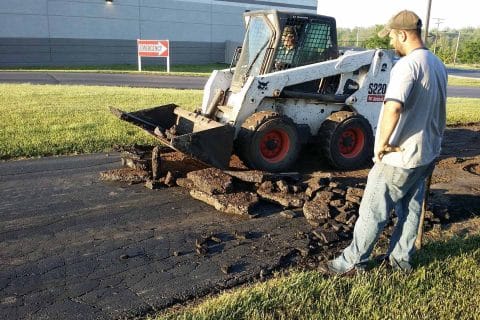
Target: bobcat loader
(267, 105)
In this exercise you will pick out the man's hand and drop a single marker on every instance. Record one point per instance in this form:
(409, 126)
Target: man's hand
(389, 119)
(386, 149)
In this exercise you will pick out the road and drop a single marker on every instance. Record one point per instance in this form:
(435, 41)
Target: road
(464, 73)
(156, 81)
(104, 79)
(75, 247)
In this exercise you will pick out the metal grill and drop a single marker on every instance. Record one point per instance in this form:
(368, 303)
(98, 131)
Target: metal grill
(316, 44)
(313, 43)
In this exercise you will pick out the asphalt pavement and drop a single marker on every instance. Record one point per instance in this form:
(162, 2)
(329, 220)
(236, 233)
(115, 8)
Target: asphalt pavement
(103, 79)
(157, 81)
(75, 247)
(464, 73)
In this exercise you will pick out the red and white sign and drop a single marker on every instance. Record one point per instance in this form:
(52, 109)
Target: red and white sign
(153, 48)
(375, 98)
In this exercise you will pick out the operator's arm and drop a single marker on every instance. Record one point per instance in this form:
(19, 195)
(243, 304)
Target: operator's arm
(391, 114)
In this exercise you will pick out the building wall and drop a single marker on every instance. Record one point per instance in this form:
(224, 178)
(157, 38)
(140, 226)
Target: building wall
(68, 32)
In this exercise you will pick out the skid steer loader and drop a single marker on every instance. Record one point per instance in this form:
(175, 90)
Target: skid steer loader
(267, 105)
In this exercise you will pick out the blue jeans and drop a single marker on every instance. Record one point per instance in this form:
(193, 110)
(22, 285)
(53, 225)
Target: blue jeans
(387, 188)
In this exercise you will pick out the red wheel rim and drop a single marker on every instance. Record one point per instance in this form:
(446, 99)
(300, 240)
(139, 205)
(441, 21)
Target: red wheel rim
(351, 142)
(274, 145)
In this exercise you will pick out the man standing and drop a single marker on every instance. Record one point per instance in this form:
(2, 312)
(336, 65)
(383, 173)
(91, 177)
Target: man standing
(407, 141)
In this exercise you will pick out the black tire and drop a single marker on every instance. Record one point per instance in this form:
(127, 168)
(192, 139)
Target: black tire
(268, 141)
(347, 140)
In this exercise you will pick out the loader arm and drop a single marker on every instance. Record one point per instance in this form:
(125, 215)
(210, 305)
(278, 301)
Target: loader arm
(272, 84)
(344, 64)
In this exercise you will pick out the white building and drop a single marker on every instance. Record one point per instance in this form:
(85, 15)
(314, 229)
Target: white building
(93, 32)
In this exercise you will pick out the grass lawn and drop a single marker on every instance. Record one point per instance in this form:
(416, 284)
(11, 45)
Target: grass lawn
(463, 82)
(464, 66)
(42, 120)
(462, 110)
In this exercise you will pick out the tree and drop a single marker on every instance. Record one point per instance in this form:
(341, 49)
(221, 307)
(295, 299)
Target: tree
(444, 46)
(374, 41)
(470, 52)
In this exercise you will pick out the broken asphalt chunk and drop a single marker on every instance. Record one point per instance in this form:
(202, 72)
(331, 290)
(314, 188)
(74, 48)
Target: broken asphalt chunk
(253, 176)
(343, 217)
(289, 214)
(316, 210)
(211, 181)
(315, 184)
(240, 203)
(125, 175)
(287, 200)
(355, 191)
(326, 236)
(352, 198)
(169, 179)
(156, 163)
(282, 186)
(185, 183)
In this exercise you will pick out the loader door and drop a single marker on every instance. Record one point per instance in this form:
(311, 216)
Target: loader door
(256, 45)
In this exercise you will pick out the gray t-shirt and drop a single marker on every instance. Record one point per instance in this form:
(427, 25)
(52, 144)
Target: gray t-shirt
(419, 82)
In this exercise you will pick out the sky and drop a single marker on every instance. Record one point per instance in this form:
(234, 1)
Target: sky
(365, 13)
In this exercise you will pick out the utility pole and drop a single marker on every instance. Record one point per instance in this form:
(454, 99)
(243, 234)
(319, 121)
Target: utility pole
(425, 36)
(439, 21)
(456, 49)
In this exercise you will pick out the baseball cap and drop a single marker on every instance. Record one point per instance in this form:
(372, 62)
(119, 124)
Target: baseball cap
(404, 20)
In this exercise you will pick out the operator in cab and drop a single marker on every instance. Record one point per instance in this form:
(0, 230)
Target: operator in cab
(286, 52)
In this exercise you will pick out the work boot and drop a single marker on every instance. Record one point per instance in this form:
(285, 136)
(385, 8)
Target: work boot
(402, 266)
(390, 264)
(332, 268)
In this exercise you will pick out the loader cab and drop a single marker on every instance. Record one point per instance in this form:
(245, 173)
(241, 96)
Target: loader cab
(276, 40)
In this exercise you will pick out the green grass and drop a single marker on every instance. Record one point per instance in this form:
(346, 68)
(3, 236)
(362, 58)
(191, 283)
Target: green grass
(464, 66)
(176, 70)
(445, 285)
(462, 110)
(42, 120)
(463, 82)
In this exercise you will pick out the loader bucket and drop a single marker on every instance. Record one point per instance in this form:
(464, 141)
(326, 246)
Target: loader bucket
(204, 139)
